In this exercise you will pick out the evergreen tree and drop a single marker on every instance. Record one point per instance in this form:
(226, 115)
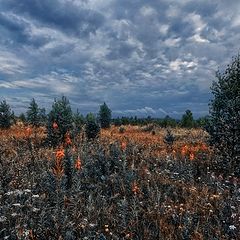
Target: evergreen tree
(168, 122)
(187, 120)
(202, 122)
(43, 116)
(33, 114)
(78, 120)
(22, 118)
(105, 116)
(224, 122)
(117, 122)
(60, 121)
(92, 128)
(6, 115)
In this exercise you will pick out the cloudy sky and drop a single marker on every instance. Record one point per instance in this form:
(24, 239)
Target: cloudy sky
(142, 57)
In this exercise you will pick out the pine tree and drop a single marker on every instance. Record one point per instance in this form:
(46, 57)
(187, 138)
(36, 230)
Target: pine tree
(42, 116)
(6, 115)
(92, 128)
(60, 121)
(33, 114)
(105, 116)
(187, 120)
(79, 121)
(224, 121)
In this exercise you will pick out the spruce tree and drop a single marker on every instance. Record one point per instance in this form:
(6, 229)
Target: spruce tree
(92, 128)
(105, 116)
(187, 120)
(6, 115)
(33, 114)
(79, 121)
(60, 121)
(224, 121)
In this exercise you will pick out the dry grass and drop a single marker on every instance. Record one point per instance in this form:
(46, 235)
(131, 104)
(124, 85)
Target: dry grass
(123, 186)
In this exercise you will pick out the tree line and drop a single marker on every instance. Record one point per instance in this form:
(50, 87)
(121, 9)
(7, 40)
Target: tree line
(37, 116)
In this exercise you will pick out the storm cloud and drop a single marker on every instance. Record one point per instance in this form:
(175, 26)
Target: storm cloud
(141, 57)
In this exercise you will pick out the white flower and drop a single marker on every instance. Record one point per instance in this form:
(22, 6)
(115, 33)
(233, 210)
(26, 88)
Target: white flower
(232, 227)
(35, 196)
(3, 219)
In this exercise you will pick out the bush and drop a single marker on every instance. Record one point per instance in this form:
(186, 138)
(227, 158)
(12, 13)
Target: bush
(121, 130)
(224, 121)
(6, 115)
(169, 138)
(92, 128)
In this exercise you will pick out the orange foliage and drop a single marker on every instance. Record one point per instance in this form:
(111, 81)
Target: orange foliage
(68, 140)
(123, 146)
(135, 188)
(58, 168)
(55, 125)
(187, 145)
(78, 164)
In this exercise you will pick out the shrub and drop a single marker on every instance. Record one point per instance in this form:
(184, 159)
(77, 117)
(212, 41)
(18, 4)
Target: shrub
(121, 130)
(92, 128)
(169, 138)
(224, 121)
(6, 115)
(22, 118)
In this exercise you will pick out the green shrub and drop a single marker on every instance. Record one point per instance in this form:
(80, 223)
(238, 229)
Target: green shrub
(224, 121)
(6, 115)
(121, 130)
(92, 128)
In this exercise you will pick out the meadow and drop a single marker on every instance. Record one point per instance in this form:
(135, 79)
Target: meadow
(129, 183)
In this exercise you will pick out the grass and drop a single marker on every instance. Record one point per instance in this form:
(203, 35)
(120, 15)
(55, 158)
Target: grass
(125, 185)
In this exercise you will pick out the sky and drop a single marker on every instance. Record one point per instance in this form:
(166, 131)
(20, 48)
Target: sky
(142, 57)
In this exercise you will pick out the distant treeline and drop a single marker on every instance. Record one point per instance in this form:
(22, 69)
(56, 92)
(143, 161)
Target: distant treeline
(187, 121)
(38, 117)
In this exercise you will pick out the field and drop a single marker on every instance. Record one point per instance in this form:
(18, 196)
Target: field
(128, 184)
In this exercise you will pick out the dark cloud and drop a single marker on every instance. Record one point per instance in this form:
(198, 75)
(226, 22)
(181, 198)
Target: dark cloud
(141, 57)
(62, 14)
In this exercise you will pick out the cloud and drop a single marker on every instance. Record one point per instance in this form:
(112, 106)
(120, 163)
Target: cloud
(146, 58)
(10, 64)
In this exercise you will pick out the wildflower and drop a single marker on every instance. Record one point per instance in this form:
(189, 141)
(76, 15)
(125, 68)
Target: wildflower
(123, 146)
(68, 140)
(184, 150)
(204, 147)
(191, 157)
(58, 168)
(78, 164)
(232, 227)
(135, 188)
(28, 132)
(106, 228)
(55, 125)
(60, 154)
